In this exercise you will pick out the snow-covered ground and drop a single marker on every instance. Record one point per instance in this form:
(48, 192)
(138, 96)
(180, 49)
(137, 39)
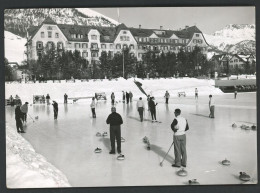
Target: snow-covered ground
(155, 87)
(26, 168)
(14, 47)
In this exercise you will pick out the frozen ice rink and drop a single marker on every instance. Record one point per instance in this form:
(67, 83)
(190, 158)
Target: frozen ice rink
(69, 142)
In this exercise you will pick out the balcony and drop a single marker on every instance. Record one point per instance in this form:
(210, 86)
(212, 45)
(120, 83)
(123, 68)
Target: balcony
(94, 49)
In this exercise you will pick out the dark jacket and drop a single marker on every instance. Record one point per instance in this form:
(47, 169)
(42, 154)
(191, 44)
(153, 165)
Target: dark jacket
(152, 104)
(48, 97)
(127, 95)
(18, 113)
(55, 106)
(114, 119)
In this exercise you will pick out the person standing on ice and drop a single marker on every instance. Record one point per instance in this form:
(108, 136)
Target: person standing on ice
(48, 99)
(140, 107)
(93, 106)
(196, 93)
(55, 109)
(211, 106)
(152, 107)
(127, 97)
(115, 120)
(11, 100)
(179, 127)
(166, 96)
(131, 96)
(18, 118)
(235, 94)
(123, 96)
(65, 98)
(113, 98)
(24, 110)
(148, 99)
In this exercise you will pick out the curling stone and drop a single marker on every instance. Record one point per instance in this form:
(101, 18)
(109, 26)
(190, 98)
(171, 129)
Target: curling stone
(104, 134)
(193, 182)
(245, 127)
(226, 162)
(122, 139)
(234, 125)
(121, 157)
(253, 127)
(98, 134)
(36, 117)
(98, 150)
(145, 139)
(182, 172)
(148, 145)
(243, 176)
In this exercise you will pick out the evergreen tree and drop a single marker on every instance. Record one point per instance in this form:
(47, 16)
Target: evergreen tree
(8, 71)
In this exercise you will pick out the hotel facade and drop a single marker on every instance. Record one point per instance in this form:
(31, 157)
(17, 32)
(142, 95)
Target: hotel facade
(90, 41)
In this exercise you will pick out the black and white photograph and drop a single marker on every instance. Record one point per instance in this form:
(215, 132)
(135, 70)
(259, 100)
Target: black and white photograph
(130, 96)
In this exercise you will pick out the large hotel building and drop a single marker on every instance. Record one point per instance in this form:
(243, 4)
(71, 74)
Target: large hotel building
(90, 41)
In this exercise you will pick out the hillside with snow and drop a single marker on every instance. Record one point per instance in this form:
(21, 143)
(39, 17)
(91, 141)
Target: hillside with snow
(18, 20)
(14, 47)
(234, 38)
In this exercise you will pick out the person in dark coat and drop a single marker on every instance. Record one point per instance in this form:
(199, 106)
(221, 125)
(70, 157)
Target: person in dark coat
(11, 100)
(18, 119)
(113, 98)
(131, 96)
(55, 109)
(24, 110)
(123, 96)
(115, 120)
(48, 99)
(152, 107)
(65, 98)
(127, 97)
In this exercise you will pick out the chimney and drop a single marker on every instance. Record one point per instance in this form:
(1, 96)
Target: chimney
(160, 27)
(140, 26)
(186, 26)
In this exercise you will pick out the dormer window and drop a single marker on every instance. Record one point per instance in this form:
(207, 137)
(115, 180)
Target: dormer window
(49, 28)
(197, 35)
(49, 34)
(94, 37)
(124, 32)
(56, 35)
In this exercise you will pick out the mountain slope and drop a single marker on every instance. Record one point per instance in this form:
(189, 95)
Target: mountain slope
(234, 38)
(18, 20)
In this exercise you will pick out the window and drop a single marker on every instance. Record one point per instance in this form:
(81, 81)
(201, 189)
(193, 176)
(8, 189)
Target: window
(84, 45)
(84, 54)
(124, 38)
(77, 45)
(56, 35)
(94, 54)
(139, 55)
(42, 34)
(103, 46)
(195, 41)
(49, 45)
(144, 47)
(131, 47)
(94, 45)
(49, 28)
(59, 45)
(111, 46)
(118, 46)
(140, 39)
(125, 46)
(197, 35)
(49, 34)
(94, 37)
(139, 47)
(39, 54)
(39, 45)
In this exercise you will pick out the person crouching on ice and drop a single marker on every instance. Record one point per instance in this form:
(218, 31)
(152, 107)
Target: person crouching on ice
(115, 120)
(55, 109)
(93, 106)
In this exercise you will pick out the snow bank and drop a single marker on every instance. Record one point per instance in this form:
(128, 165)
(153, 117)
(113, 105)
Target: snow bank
(27, 169)
(155, 87)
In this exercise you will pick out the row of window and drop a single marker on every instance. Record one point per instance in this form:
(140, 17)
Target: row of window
(162, 40)
(235, 60)
(49, 34)
(39, 45)
(197, 41)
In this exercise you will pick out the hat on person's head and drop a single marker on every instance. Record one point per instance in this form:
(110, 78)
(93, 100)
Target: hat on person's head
(26, 103)
(178, 111)
(210, 95)
(113, 109)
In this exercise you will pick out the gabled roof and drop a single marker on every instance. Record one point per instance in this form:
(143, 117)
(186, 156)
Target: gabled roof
(48, 20)
(141, 32)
